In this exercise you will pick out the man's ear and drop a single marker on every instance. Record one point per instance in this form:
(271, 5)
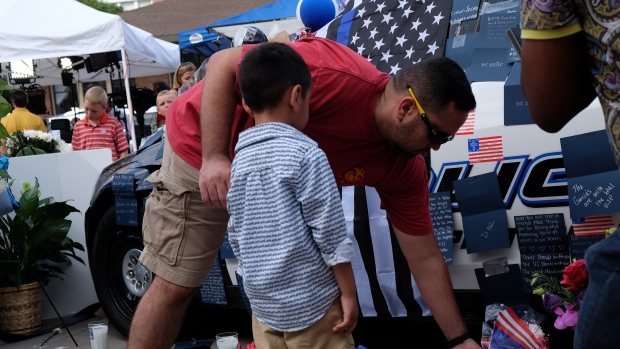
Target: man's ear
(406, 106)
(246, 107)
(296, 97)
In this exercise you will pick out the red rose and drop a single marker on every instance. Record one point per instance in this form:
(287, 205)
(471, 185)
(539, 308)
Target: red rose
(576, 276)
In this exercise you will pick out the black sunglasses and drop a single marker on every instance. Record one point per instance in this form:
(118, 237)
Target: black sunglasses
(434, 135)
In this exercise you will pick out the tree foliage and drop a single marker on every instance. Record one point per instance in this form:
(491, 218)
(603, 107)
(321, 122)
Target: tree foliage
(103, 6)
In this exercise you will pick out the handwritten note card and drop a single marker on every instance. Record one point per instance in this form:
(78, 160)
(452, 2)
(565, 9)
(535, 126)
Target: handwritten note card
(463, 10)
(212, 289)
(593, 177)
(489, 64)
(484, 216)
(125, 200)
(516, 110)
(496, 20)
(226, 250)
(579, 244)
(443, 223)
(543, 245)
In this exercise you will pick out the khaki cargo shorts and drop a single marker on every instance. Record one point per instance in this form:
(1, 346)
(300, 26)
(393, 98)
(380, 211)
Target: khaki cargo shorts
(181, 235)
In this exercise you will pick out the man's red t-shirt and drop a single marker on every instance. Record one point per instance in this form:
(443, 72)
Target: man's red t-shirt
(344, 89)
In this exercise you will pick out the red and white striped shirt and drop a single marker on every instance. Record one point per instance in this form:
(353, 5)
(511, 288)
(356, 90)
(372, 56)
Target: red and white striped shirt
(108, 133)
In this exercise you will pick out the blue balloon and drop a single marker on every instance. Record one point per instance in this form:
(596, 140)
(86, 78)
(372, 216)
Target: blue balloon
(314, 14)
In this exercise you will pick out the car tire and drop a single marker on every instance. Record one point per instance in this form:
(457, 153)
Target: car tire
(115, 248)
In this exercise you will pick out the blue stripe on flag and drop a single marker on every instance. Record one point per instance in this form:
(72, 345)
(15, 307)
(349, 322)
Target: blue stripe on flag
(345, 27)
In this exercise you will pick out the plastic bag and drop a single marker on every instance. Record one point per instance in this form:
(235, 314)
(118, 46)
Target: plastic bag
(516, 327)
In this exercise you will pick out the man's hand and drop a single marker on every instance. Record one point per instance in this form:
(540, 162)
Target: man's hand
(468, 344)
(350, 315)
(214, 181)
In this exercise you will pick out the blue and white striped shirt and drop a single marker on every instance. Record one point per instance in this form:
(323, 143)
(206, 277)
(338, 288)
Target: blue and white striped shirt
(286, 226)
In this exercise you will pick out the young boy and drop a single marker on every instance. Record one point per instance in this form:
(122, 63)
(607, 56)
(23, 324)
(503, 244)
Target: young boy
(163, 101)
(286, 222)
(98, 130)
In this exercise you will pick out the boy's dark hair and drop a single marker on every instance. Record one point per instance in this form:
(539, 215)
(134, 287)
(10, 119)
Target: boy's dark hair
(267, 71)
(20, 98)
(437, 82)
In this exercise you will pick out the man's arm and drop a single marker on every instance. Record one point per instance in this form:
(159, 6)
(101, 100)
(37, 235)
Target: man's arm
(431, 275)
(217, 108)
(556, 79)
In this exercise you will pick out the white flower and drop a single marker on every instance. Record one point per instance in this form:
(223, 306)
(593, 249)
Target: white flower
(64, 147)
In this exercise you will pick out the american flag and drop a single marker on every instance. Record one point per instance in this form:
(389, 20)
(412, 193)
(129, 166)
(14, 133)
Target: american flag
(485, 149)
(393, 34)
(595, 225)
(468, 126)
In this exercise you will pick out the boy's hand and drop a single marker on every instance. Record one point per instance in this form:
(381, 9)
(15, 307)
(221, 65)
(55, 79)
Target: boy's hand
(350, 314)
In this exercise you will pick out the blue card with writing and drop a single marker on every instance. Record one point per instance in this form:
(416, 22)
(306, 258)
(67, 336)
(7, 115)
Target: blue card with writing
(125, 201)
(443, 223)
(212, 289)
(543, 245)
(463, 10)
(579, 244)
(489, 64)
(592, 174)
(516, 110)
(485, 223)
(502, 288)
(226, 250)
(495, 21)
(462, 53)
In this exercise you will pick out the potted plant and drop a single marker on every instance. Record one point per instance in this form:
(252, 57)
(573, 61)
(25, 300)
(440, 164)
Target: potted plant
(35, 233)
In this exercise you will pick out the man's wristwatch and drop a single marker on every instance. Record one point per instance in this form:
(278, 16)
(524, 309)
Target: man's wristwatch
(458, 340)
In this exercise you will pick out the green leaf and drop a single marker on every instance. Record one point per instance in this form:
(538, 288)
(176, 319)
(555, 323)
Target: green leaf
(3, 173)
(55, 210)
(29, 150)
(5, 109)
(29, 201)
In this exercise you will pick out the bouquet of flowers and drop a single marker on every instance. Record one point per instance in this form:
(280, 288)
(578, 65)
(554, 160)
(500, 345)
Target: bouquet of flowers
(563, 298)
(33, 142)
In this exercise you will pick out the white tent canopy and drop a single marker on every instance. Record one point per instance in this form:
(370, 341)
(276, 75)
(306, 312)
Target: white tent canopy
(44, 31)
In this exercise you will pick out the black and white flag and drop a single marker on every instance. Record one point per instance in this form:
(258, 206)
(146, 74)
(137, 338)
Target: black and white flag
(393, 34)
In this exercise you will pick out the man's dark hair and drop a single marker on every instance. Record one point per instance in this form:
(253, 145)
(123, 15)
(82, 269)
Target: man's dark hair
(437, 82)
(267, 71)
(20, 98)
(159, 86)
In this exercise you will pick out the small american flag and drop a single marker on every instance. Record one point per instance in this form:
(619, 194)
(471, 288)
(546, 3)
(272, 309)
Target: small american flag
(485, 149)
(468, 126)
(393, 34)
(595, 225)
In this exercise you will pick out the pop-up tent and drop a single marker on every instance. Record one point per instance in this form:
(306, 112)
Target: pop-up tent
(203, 40)
(45, 31)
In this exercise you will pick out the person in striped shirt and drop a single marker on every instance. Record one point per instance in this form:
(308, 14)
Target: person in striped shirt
(98, 130)
(286, 224)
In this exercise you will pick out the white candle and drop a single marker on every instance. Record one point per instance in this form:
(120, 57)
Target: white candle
(98, 336)
(227, 343)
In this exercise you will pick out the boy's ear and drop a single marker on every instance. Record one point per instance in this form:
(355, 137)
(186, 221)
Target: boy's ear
(245, 107)
(296, 97)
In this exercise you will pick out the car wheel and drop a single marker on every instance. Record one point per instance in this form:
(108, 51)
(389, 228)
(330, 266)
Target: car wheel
(120, 279)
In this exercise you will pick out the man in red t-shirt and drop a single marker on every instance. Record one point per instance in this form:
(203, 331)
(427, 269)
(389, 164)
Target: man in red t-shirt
(98, 130)
(372, 128)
